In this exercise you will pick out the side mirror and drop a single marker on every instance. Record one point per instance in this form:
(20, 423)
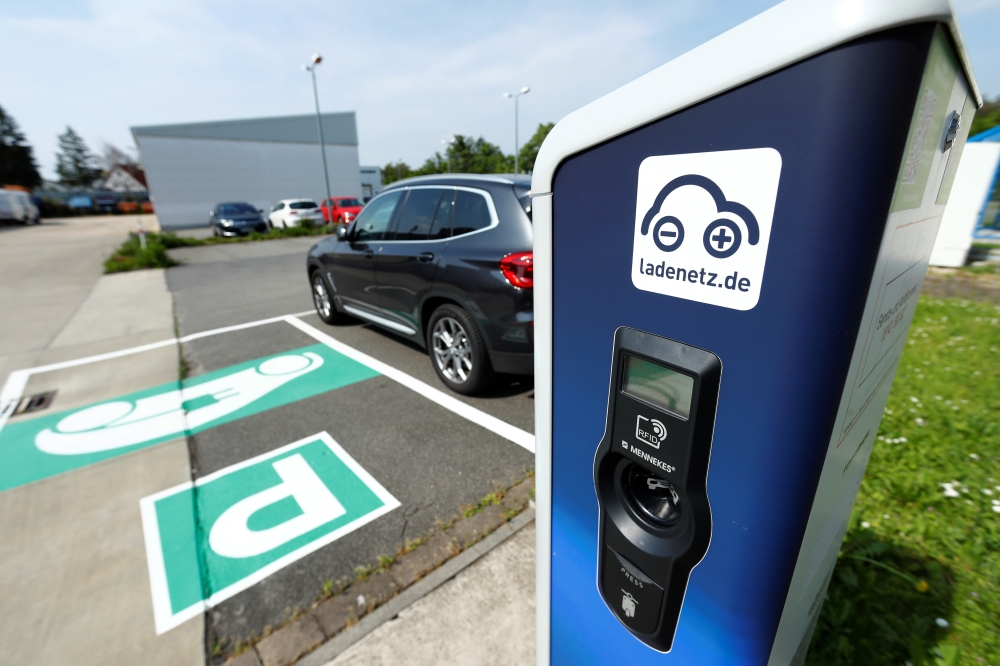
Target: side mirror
(342, 232)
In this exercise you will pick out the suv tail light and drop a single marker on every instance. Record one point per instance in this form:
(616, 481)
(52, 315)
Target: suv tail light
(519, 270)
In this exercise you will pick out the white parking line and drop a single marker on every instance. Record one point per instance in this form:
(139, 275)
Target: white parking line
(13, 388)
(452, 404)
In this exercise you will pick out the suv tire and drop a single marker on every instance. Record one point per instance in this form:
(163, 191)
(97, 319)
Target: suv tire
(457, 350)
(323, 300)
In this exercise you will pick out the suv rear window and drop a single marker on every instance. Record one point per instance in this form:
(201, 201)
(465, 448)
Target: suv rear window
(300, 205)
(471, 213)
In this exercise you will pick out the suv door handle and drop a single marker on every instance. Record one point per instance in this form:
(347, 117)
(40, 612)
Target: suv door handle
(369, 254)
(425, 257)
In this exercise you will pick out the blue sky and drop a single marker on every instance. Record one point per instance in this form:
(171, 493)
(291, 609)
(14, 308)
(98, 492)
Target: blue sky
(415, 73)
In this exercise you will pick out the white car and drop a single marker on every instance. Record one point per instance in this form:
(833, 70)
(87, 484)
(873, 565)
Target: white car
(19, 207)
(289, 212)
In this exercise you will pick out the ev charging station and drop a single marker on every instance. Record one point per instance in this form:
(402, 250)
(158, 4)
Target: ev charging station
(728, 254)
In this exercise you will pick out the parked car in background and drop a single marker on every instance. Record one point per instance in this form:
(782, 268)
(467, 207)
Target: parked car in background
(341, 210)
(236, 219)
(444, 261)
(290, 212)
(17, 206)
(105, 202)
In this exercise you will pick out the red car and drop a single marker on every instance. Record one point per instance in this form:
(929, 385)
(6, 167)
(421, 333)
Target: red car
(343, 210)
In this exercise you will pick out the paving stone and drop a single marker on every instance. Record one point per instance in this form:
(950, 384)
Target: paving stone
(290, 642)
(469, 530)
(378, 589)
(333, 615)
(424, 558)
(518, 496)
(247, 658)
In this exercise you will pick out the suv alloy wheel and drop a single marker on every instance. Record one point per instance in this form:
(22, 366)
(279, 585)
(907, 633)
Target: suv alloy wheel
(457, 350)
(323, 300)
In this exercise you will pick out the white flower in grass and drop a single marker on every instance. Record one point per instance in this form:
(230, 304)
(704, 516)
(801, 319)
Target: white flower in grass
(865, 524)
(921, 422)
(949, 489)
(974, 456)
(914, 400)
(987, 491)
(941, 622)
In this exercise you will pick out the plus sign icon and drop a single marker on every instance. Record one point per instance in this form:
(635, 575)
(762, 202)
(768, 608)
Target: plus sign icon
(702, 225)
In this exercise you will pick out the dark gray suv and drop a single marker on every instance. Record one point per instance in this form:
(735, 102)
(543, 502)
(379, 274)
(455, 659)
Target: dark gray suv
(444, 261)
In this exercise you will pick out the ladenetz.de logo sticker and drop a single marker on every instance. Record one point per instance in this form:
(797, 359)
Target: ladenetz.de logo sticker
(702, 225)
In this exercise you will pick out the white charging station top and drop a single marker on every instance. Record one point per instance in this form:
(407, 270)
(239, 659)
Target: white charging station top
(786, 33)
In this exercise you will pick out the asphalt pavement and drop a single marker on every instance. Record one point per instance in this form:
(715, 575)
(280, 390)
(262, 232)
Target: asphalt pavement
(431, 460)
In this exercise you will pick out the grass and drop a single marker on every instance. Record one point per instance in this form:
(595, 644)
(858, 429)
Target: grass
(986, 268)
(492, 498)
(130, 256)
(918, 576)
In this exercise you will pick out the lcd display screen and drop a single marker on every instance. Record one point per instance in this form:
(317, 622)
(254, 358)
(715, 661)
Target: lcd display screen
(659, 386)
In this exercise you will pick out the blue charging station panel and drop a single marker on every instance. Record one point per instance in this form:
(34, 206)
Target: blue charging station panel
(782, 225)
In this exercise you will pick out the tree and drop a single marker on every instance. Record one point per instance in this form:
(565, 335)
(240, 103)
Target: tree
(986, 118)
(394, 171)
(74, 162)
(529, 151)
(470, 155)
(17, 163)
(113, 157)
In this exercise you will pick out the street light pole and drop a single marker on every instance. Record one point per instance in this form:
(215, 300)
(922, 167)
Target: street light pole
(523, 91)
(317, 59)
(447, 150)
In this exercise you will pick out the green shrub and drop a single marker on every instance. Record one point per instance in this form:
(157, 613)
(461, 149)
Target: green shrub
(132, 256)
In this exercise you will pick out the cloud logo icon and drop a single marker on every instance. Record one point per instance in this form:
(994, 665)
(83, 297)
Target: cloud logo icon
(722, 238)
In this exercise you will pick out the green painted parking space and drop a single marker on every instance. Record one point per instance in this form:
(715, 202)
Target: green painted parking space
(42, 447)
(207, 541)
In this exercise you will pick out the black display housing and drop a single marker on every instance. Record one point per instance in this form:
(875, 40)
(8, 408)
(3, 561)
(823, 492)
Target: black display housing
(643, 564)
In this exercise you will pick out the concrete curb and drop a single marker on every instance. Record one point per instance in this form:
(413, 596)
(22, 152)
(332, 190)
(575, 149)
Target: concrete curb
(424, 586)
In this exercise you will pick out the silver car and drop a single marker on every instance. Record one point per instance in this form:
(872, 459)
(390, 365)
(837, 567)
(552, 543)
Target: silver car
(18, 207)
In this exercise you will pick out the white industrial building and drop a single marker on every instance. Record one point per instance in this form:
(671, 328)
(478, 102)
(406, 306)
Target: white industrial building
(192, 167)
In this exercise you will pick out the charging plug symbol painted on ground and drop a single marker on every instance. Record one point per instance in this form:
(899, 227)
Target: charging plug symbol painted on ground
(122, 423)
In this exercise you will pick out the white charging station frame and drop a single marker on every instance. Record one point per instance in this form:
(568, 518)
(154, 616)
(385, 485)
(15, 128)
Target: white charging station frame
(785, 34)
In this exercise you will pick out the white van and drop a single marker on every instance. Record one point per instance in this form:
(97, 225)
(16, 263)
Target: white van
(19, 207)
